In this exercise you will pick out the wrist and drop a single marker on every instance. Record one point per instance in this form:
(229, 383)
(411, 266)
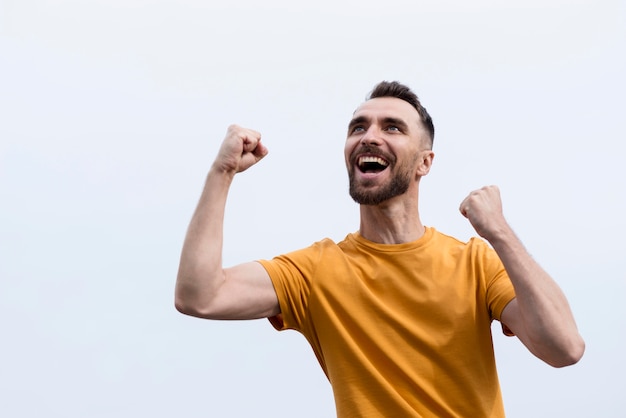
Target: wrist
(221, 170)
(501, 235)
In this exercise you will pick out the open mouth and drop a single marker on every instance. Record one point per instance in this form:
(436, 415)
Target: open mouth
(371, 164)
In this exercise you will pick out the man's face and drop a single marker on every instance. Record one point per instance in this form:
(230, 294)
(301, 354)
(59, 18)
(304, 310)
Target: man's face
(383, 149)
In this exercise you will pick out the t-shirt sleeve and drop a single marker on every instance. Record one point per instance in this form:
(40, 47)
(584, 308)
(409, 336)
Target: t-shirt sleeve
(499, 289)
(291, 276)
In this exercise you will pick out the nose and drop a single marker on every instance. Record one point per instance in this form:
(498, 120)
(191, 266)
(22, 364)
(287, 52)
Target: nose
(371, 136)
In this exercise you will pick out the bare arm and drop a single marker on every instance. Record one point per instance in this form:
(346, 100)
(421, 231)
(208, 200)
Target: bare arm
(203, 287)
(539, 315)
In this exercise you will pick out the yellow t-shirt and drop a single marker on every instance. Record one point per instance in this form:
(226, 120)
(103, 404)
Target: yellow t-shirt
(399, 330)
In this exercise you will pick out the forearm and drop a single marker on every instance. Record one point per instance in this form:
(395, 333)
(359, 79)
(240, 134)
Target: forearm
(549, 327)
(200, 271)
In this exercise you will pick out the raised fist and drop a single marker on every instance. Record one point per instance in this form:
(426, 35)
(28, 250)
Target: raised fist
(241, 149)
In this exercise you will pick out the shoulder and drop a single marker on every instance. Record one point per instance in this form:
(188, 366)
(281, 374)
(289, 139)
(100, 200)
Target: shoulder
(306, 255)
(475, 250)
(473, 242)
(448, 244)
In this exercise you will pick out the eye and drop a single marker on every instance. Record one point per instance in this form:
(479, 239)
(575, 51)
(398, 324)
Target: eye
(393, 128)
(358, 129)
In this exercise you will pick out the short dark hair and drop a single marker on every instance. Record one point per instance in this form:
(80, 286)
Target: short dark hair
(400, 91)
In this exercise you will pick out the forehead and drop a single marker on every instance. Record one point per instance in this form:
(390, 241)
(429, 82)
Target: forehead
(385, 107)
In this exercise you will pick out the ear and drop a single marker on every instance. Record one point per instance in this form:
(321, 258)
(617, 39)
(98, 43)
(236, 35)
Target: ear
(425, 162)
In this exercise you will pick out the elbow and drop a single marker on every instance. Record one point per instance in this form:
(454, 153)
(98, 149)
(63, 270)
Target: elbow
(183, 306)
(190, 308)
(576, 353)
(196, 293)
(571, 355)
(188, 301)
(181, 297)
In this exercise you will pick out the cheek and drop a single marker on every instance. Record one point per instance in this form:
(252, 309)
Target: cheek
(347, 149)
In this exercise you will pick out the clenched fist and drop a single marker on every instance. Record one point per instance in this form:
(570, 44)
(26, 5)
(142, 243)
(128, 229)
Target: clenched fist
(241, 149)
(483, 208)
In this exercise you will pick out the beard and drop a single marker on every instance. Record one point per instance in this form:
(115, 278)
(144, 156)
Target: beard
(361, 194)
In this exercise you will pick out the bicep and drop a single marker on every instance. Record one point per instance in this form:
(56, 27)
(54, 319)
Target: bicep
(246, 292)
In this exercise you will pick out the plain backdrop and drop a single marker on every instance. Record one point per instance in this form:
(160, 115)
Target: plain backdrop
(111, 113)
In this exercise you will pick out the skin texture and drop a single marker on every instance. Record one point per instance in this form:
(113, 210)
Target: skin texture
(391, 129)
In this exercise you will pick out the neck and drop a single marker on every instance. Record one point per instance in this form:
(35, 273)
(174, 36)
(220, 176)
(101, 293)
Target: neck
(395, 221)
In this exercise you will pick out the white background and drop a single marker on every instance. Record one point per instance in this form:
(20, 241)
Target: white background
(111, 113)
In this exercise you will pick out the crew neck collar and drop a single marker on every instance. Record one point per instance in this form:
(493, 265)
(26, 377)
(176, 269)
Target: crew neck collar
(358, 239)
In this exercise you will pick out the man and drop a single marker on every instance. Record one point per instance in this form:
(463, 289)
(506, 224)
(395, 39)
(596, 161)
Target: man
(398, 314)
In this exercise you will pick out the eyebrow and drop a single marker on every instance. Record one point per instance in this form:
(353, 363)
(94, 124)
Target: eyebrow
(357, 121)
(397, 122)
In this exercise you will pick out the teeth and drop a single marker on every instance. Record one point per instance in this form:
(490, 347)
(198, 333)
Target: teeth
(372, 159)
